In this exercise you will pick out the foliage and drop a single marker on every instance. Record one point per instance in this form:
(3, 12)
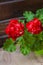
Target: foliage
(28, 15)
(39, 14)
(9, 45)
(28, 42)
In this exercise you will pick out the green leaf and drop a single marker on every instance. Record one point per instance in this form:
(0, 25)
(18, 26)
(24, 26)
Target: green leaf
(24, 50)
(9, 45)
(39, 14)
(29, 38)
(36, 45)
(20, 40)
(28, 15)
(23, 21)
(39, 52)
(40, 35)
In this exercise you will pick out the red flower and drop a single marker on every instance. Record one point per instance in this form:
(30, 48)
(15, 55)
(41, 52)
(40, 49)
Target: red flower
(15, 29)
(34, 26)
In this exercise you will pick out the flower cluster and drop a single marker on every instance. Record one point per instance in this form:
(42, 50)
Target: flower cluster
(14, 29)
(34, 26)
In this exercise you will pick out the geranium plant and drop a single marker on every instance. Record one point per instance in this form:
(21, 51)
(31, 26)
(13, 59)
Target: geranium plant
(27, 33)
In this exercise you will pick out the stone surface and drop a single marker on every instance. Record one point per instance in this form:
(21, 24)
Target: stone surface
(16, 58)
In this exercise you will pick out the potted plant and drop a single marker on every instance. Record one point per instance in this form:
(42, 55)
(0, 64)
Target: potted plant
(27, 33)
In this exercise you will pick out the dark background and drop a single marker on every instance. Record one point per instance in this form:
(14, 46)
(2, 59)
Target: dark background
(14, 9)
